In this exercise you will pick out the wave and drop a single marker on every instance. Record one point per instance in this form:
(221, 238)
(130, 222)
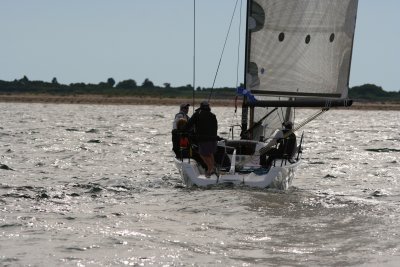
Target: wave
(382, 150)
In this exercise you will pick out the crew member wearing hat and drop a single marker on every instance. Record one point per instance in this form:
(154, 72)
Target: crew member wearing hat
(285, 141)
(205, 126)
(177, 133)
(182, 114)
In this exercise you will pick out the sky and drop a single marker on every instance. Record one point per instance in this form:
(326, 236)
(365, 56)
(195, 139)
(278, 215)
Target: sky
(92, 40)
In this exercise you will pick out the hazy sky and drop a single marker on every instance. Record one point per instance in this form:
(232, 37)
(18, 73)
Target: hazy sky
(92, 40)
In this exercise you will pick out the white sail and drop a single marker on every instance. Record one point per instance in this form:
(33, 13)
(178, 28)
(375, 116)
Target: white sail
(296, 49)
(300, 47)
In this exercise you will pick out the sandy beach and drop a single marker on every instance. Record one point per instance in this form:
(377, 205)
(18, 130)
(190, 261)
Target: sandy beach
(135, 100)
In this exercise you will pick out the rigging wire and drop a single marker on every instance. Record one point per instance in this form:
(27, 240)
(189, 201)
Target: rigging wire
(264, 150)
(311, 118)
(238, 53)
(223, 49)
(294, 115)
(194, 52)
(239, 43)
(234, 118)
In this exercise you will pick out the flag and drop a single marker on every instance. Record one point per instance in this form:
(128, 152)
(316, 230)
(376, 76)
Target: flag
(244, 92)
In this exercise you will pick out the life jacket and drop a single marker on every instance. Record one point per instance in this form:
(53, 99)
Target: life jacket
(183, 142)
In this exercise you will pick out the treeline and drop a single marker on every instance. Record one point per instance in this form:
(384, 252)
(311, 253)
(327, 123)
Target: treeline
(110, 88)
(367, 92)
(371, 92)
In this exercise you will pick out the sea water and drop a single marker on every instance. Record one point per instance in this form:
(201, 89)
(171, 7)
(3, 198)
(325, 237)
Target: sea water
(95, 185)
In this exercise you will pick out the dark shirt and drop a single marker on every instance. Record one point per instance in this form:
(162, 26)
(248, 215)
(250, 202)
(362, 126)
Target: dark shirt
(205, 125)
(287, 146)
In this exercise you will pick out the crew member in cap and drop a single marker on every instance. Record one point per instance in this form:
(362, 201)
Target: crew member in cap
(205, 127)
(285, 142)
(182, 114)
(181, 118)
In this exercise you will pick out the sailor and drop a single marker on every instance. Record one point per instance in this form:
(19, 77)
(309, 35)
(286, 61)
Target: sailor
(182, 114)
(182, 117)
(205, 127)
(285, 144)
(180, 140)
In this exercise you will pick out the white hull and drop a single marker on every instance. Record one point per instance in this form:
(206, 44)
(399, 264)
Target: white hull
(279, 177)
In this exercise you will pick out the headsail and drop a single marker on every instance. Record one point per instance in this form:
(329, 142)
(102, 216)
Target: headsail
(299, 49)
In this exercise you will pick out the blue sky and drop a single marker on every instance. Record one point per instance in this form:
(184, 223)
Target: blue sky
(92, 40)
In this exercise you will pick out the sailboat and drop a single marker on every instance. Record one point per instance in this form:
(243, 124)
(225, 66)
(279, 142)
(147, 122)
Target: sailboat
(298, 55)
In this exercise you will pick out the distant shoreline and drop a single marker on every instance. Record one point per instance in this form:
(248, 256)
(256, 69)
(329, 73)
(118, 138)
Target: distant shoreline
(136, 100)
(106, 100)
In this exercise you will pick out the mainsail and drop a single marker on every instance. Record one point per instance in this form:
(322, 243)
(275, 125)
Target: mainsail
(296, 50)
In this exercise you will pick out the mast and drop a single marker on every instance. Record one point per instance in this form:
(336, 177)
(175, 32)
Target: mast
(246, 63)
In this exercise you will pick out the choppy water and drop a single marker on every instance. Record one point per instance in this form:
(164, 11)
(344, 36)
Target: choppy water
(93, 185)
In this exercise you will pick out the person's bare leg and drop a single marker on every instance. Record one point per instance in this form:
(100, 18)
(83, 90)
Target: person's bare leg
(207, 160)
(212, 162)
